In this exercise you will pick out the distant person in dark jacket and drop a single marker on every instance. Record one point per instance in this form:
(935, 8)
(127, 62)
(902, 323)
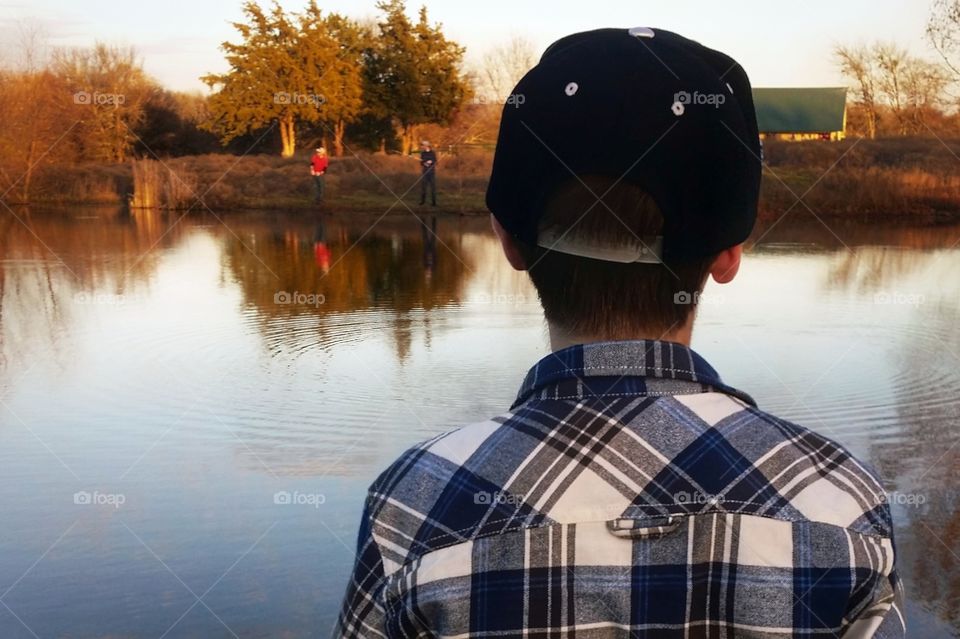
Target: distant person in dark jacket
(428, 169)
(318, 168)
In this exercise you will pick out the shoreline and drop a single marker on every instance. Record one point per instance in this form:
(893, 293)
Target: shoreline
(918, 211)
(390, 209)
(896, 178)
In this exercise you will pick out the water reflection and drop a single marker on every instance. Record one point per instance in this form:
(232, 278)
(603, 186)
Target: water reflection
(52, 264)
(199, 367)
(925, 459)
(328, 267)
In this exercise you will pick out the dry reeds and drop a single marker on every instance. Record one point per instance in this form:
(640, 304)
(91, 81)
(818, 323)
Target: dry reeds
(158, 185)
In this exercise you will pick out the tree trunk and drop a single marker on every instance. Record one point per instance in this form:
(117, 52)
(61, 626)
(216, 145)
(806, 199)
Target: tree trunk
(338, 130)
(291, 137)
(406, 139)
(287, 136)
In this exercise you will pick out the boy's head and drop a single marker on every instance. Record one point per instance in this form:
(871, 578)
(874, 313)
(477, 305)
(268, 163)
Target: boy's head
(626, 176)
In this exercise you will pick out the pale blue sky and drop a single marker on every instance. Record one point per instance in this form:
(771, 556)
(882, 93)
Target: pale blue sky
(779, 42)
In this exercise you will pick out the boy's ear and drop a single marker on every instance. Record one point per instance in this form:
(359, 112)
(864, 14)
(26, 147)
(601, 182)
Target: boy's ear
(726, 264)
(509, 245)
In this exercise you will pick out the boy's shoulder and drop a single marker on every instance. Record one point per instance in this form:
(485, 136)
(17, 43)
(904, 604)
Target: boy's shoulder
(435, 461)
(817, 478)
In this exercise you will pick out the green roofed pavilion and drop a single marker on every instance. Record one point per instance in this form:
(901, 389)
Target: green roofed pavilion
(801, 113)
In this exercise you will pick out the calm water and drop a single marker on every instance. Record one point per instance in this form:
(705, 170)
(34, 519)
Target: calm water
(146, 367)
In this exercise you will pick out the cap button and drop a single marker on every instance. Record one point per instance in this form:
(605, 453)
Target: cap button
(641, 32)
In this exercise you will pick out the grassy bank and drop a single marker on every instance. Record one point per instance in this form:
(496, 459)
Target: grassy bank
(224, 182)
(893, 177)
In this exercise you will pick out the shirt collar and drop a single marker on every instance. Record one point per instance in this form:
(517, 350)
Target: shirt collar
(635, 367)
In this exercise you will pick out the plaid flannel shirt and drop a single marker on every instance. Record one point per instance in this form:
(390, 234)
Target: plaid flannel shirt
(627, 493)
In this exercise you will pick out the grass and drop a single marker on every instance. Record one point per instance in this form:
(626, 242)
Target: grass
(870, 178)
(866, 178)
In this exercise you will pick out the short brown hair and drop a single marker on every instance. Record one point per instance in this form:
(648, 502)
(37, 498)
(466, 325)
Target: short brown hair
(612, 300)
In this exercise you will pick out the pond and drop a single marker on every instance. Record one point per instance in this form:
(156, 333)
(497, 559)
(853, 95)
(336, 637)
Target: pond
(191, 408)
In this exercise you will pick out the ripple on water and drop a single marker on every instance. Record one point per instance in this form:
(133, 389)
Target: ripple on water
(894, 385)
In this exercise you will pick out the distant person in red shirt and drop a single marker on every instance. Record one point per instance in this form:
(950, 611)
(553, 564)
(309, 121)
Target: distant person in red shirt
(318, 168)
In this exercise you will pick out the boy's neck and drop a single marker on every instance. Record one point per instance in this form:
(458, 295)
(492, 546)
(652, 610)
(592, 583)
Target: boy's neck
(561, 338)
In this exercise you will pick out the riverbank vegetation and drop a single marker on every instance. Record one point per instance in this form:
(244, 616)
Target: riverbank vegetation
(887, 177)
(861, 177)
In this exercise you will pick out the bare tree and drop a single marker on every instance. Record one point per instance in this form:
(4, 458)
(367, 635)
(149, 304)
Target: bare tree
(891, 63)
(924, 86)
(30, 48)
(502, 68)
(943, 31)
(109, 88)
(34, 115)
(888, 80)
(857, 64)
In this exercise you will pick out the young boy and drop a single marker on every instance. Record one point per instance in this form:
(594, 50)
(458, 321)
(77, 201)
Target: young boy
(628, 492)
(318, 169)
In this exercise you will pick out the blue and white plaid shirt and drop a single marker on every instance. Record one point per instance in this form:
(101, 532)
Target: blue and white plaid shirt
(627, 493)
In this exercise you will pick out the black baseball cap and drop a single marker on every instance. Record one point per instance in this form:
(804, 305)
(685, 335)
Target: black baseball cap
(644, 105)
